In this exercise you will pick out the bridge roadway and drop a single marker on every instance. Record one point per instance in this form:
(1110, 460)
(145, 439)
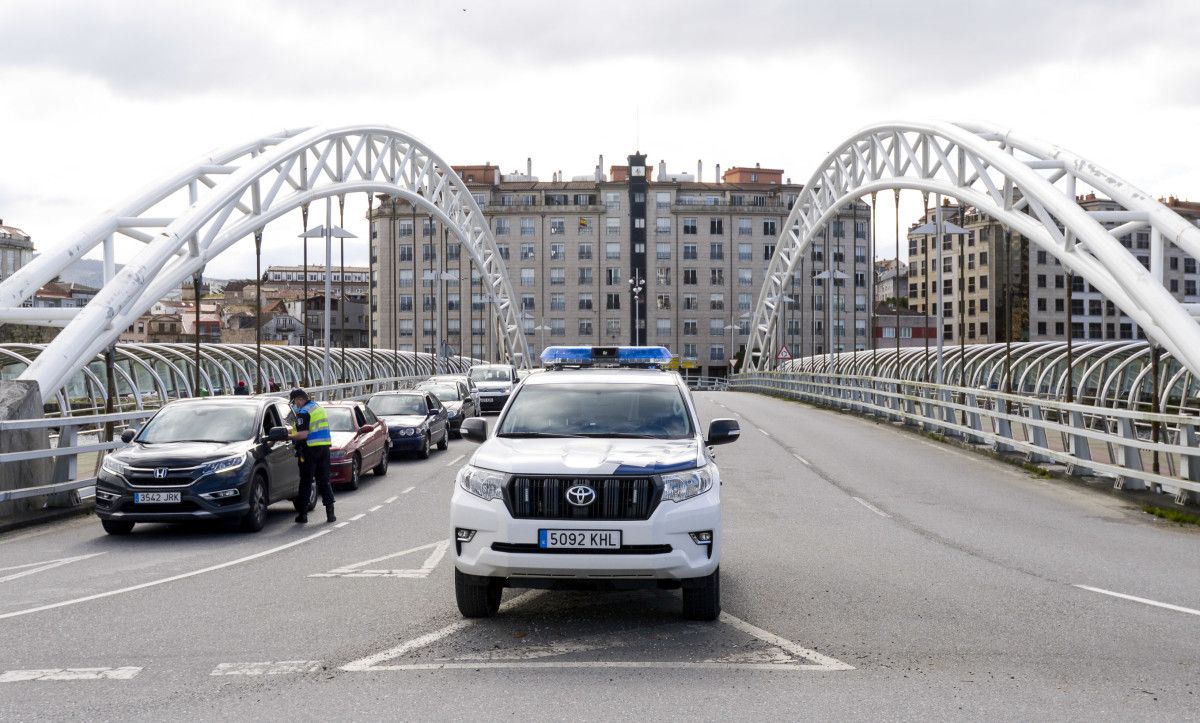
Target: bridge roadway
(869, 573)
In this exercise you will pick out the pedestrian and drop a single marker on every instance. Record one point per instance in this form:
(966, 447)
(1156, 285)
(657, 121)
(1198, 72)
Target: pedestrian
(242, 390)
(312, 441)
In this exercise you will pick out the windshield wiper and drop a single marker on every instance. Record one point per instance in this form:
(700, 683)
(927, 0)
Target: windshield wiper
(534, 435)
(620, 435)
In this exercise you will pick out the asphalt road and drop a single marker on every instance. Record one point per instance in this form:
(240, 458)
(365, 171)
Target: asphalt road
(868, 574)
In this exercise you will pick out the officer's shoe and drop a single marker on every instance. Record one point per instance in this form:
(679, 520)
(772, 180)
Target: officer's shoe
(302, 517)
(329, 516)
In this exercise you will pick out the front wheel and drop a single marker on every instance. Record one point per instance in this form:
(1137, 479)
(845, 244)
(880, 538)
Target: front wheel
(702, 597)
(355, 473)
(428, 442)
(306, 506)
(256, 517)
(442, 445)
(477, 597)
(381, 468)
(117, 527)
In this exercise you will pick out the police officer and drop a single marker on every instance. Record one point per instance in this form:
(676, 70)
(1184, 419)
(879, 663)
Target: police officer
(312, 440)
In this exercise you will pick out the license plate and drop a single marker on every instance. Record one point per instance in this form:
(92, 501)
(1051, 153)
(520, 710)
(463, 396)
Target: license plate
(150, 498)
(579, 539)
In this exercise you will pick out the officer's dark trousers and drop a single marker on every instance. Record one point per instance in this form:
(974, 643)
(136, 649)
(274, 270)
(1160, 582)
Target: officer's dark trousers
(314, 464)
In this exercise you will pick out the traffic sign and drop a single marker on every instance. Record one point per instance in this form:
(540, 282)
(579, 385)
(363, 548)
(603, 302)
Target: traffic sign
(784, 354)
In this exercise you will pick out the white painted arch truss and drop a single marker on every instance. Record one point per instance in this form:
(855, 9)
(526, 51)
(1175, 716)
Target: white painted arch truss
(1028, 186)
(231, 195)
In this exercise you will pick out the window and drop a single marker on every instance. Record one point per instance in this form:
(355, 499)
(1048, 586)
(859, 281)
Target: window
(427, 228)
(503, 226)
(662, 327)
(662, 199)
(585, 252)
(612, 302)
(744, 302)
(427, 252)
(528, 302)
(664, 302)
(690, 302)
(612, 276)
(528, 252)
(716, 302)
(558, 327)
(745, 277)
(406, 252)
(406, 278)
(612, 226)
(769, 227)
(585, 275)
(585, 302)
(406, 327)
(716, 226)
(612, 200)
(662, 275)
(663, 250)
(504, 252)
(689, 227)
(662, 225)
(584, 226)
(558, 277)
(453, 302)
(689, 277)
(406, 302)
(612, 250)
(745, 252)
(1041, 281)
(768, 251)
(689, 252)
(404, 227)
(527, 277)
(716, 277)
(745, 227)
(585, 327)
(558, 252)
(716, 251)
(558, 226)
(690, 328)
(612, 327)
(528, 227)
(838, 229)
(716, 352)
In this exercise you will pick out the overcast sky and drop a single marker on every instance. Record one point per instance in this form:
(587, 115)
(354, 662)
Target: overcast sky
(101, 98)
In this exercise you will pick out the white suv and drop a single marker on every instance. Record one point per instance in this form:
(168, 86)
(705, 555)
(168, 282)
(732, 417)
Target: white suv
(595, 477)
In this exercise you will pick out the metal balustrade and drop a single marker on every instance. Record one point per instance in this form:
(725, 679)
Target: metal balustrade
(1089, 440)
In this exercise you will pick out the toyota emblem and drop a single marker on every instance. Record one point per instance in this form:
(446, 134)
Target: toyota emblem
(581, 495)
(160, 473)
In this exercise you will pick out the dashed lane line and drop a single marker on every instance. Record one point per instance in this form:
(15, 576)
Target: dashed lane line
(282, 667)
(407, 490)
(341, 524)
(391, 499)
(1142, 600)
(376, 507)
(802, 460)
(456, 460)
(870, 506)
(165, 580)
(358, 517)
(64, 674)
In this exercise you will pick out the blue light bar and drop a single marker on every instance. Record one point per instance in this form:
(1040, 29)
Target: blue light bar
(608, 356)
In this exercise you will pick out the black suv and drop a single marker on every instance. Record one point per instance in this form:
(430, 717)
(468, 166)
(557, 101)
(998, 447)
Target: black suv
(202, 459)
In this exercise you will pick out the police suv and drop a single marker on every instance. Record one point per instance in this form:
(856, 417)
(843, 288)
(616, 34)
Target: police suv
(596, 476)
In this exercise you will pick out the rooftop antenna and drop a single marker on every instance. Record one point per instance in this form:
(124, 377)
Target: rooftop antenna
(637, 129)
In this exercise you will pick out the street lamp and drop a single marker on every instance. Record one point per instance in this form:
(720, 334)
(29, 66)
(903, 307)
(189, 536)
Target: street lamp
(636, 285)
(732, 342)
(939, 228)
(437, 278)
(327, 232)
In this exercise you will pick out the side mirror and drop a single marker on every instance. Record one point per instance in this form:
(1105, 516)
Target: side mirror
(277, 434)
(475, 429)
(723, 431)
(128, 434)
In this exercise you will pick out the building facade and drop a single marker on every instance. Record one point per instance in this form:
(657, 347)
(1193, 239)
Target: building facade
(16, 250)
(635, 256)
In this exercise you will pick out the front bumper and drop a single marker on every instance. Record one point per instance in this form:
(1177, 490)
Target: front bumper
(340, 470)
(493, 403)
(639, 559)
(115, 500)
(415, 443)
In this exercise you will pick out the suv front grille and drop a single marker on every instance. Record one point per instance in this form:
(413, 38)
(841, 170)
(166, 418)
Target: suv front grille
(617, 498)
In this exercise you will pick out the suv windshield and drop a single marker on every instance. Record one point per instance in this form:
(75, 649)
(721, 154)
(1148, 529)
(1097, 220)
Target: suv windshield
(389, 405)
(200, 423)
(444, 392)
(491, 374)
(341, 419)
(651, 411)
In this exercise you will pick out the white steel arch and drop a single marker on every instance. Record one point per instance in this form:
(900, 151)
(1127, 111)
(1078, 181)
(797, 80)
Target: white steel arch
(1027, 185)
(228, 196)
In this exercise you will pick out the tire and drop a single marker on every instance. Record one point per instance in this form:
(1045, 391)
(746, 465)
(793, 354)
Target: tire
(442, 445)
(355, 473)
(702, 598)
(117, 527)
(256, 517)
(311, 502)
(477, 597)
(381, 469)
(424, 453)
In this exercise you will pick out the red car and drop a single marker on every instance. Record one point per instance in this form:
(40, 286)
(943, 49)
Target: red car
(360, 441)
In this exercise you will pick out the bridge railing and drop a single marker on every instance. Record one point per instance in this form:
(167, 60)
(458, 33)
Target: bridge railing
(1138, 450)
(707, 384)
(77, 444)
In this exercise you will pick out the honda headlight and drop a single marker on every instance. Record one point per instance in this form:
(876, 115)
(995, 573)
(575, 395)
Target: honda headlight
(482, 483)
(223, 465)
(680, 486)
(114, 466)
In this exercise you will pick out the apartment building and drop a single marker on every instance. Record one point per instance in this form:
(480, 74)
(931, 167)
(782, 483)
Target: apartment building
(695, 252)
(16, 249)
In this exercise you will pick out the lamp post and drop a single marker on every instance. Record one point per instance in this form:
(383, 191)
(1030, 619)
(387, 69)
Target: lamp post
(731, 328)
(939, 228)
(437, 278)
(636, 285)
(328, 232)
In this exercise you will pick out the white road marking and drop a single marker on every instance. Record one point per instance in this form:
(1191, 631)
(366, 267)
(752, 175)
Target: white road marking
(390, 500)
(341, 524)
(163, 581)
(358, 568)
(376, 507)
(455, 461)
(32, 568)
(281, 667)
(1142, 600)
(59, 674)
(358, 517)
(763, 431)
(802, 460)
(406, 491)
(786, 654)
(870, 507)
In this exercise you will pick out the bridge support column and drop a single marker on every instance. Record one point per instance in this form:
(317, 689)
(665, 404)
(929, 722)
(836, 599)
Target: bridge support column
(1079, 448)
(1036, 434)
(1132, 457)
(1189, 466)
(23, 400)
(973, 420)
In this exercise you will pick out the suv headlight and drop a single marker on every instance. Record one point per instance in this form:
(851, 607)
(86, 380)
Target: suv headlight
(223, 465)
(482, 483)
(114, 466)
(680, 486)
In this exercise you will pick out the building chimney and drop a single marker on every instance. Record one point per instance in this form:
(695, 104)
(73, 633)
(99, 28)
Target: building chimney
(529, 167)
(597, 174)
(757, 166)
(699, 171)
(718, 172)
(662, 170)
